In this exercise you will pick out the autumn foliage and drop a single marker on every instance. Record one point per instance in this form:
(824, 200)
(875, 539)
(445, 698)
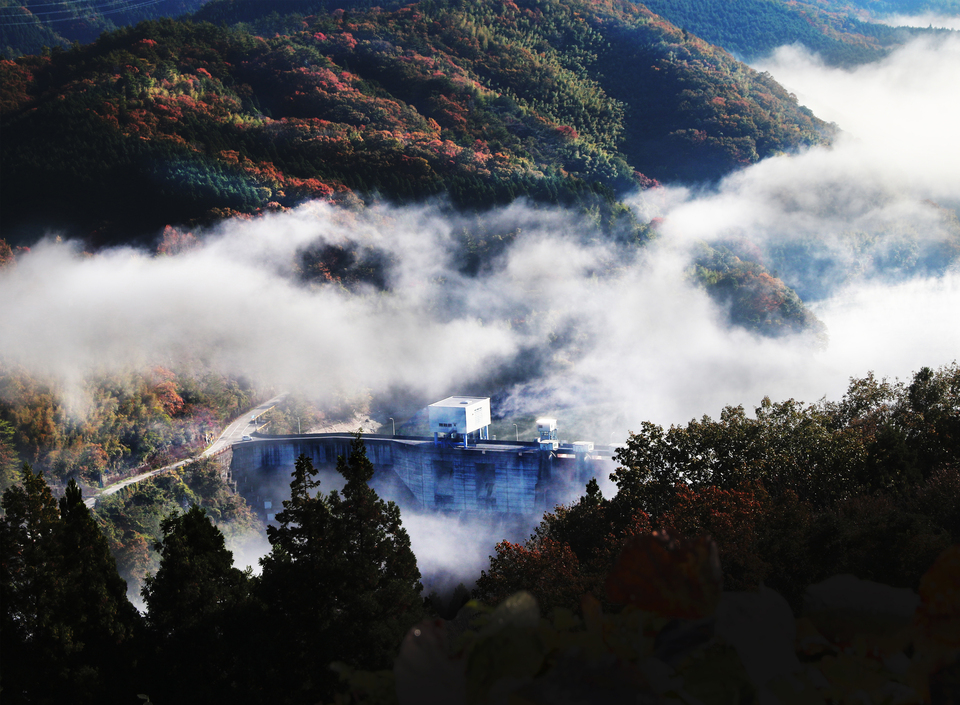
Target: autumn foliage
(667, 574)
(484, 102)
(867, 485)
(131, 420)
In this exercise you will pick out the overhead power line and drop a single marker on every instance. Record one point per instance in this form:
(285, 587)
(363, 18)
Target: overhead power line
(32, 5)
(71, 7)
(76, 13)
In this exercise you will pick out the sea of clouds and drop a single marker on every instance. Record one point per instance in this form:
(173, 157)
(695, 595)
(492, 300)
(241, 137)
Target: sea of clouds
(580, 322)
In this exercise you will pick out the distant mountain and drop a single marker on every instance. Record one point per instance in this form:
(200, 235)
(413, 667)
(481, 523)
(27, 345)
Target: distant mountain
(753, 28)
(882, 8)
(844, 32)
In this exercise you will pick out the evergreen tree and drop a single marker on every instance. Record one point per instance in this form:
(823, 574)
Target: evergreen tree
(202, 622)
(9, 465)
(66, 617)
(196, 577)
(27, 548)
(341, 582)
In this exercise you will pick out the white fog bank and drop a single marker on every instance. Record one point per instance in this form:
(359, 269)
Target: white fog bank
(579, 323)
(585, 322)
(899, 115)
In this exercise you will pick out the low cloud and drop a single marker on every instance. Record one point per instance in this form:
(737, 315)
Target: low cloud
(595, 321)
(235, 305)
(898, 114)
(598, 335)
(582, 322)
(450, 551)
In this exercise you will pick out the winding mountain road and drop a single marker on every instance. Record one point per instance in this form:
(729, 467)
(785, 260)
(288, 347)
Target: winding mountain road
(242, 426)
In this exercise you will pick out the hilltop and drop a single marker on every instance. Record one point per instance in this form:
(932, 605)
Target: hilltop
(842, 34)
(157, 130)
(187, 122)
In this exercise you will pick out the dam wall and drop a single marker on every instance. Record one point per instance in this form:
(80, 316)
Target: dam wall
(486, 478)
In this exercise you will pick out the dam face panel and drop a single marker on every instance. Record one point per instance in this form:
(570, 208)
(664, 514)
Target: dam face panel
(419, 475)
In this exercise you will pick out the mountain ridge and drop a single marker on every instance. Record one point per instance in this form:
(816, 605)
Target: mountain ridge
(479, 103)
(170, 126)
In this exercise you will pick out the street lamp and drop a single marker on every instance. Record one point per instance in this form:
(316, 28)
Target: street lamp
(517, 429)
(298, 425)
(394, 426)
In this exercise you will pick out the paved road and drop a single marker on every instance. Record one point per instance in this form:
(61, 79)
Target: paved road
(234, 433)
(243, 426)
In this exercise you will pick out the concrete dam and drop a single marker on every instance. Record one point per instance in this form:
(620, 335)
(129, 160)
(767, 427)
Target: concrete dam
(471, 476)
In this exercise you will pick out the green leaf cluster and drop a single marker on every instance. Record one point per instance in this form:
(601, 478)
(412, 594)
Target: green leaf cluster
(880, 436)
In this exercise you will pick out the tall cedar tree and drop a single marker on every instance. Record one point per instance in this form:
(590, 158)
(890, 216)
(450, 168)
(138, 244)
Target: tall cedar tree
(341, 583)
(66, 617)
(200, 616)
(196, 577)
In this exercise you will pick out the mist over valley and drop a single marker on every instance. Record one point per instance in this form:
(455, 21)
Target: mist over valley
(375, 209)
(571, 317)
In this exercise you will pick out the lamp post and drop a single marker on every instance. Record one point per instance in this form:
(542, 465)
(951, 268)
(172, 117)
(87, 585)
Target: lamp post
(394, 426)
(517, 429)
(298, 425)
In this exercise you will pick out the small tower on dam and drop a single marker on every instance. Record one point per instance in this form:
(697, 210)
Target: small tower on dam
(547, 434)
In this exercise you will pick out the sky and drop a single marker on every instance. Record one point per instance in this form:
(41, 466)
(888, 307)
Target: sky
(595, 335)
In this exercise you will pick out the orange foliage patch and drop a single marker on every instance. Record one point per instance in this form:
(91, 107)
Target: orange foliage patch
(668, 575)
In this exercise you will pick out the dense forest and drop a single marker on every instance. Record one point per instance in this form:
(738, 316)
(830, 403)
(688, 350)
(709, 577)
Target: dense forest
(711, 573)
(153, 132)
(119, 422)
(121, 425)
(484, 102)
(842, 32)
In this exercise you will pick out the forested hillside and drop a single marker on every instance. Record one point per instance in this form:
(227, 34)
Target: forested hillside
(188, 123)
(174, 122)
(842, 32)
(114, 422)
(790, 493)
(752, 28)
